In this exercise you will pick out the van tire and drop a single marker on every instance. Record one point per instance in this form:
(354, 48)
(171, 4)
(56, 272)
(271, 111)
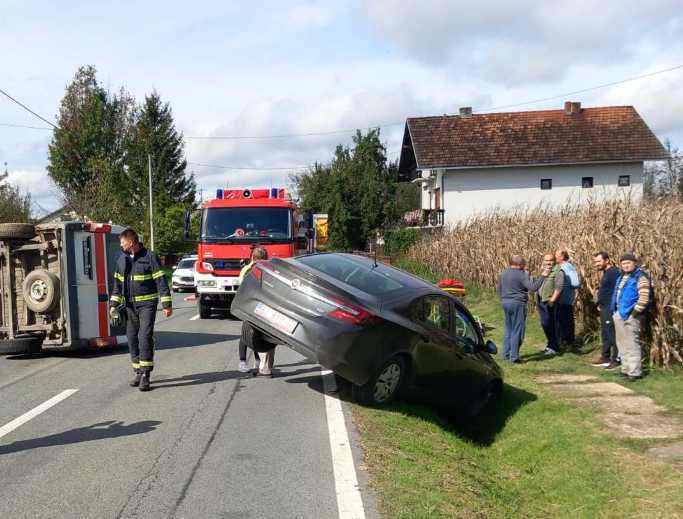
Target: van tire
(18, 345)
(17, 231)
(41, 290)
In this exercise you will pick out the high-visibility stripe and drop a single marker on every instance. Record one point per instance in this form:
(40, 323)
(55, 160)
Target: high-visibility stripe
(166, 299)
(142, 277)
(136, 365)
(116, 299)
(148, 297)
(146, 363)
(158, 274)
(118, 276)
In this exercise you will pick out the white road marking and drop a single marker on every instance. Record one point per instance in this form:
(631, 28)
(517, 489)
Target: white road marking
(349, 501)
(194, 317)
(18, 422)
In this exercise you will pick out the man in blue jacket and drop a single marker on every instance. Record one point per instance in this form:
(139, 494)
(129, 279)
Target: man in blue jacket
(631, 300)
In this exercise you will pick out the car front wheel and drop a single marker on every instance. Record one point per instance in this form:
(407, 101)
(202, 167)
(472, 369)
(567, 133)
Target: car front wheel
(383, 387)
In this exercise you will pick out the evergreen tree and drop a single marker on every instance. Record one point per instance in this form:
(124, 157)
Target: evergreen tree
(154, 134)
(87, 152)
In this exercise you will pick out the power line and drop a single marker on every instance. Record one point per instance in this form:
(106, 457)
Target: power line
(245, 168)
(27, 108)
(290, 135)
(583, 90)
(8, 125)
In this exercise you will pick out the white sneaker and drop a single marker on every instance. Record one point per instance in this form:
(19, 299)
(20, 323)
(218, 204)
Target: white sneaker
(549, 352)
(243, 366)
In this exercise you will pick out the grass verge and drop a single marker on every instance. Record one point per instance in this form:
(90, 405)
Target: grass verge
(533, 455)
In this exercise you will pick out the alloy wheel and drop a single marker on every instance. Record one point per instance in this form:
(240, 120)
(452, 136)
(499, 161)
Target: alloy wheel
(387, 382)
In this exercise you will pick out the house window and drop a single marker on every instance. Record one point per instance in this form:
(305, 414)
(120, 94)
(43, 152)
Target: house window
(546, 183)
(587, 182)
(624, 180)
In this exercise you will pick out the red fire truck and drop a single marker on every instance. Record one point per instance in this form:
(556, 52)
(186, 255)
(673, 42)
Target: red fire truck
(232, 225)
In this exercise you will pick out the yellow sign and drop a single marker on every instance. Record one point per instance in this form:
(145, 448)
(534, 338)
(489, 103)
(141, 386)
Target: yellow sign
(321, 231)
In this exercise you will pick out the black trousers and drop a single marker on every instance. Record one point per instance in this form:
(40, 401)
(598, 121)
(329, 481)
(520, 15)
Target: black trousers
(245, 337)
(565, 319)
(140, 334)
(609, 336)
(548, 315)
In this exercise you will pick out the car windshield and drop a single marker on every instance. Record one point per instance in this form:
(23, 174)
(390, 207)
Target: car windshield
(246, 224)
(186, 264)
(359, 274)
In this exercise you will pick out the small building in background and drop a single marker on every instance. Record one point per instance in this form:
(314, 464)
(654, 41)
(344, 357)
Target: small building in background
(475, 163)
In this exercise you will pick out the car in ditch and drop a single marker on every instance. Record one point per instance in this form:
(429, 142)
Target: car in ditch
(384, 330)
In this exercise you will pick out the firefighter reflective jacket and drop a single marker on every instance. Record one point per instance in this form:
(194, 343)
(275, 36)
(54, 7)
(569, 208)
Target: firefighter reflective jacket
(140, 281)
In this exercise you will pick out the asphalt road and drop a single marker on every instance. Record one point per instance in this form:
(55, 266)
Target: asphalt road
(206, 442)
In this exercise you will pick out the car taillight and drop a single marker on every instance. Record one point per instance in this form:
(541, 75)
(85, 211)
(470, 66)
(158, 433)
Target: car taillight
(257, 270)
(352, 313)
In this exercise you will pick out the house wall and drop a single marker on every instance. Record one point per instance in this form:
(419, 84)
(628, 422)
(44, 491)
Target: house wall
(466, 192)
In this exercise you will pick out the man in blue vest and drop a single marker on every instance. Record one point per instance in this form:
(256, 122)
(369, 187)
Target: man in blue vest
(631, 299)
(565, 306)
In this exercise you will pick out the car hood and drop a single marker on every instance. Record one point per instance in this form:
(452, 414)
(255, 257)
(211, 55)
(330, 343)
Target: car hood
(183, 272)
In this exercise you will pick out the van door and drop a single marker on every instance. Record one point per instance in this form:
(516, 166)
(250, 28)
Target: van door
(84, 285)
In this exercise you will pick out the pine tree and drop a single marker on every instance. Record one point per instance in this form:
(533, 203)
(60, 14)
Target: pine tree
(154, 134)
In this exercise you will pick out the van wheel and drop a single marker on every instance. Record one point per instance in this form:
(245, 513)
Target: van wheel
(41, 290)
(26, 344)
(383, 387)
(17, 231)
(204, 310)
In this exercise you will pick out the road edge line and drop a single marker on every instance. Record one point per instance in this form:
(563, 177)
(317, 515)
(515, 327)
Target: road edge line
(349, 499)
(21, 420)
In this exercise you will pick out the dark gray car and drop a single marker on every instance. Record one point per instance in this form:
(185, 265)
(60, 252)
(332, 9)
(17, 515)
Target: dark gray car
(380, 328)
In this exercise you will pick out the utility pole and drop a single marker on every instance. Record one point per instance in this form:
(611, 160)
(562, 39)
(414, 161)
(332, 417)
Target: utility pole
(151, 205)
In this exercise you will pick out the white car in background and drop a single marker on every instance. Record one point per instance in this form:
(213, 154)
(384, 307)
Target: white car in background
(183, 274)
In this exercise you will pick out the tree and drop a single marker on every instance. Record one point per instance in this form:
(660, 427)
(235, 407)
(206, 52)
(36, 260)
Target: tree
(358, 190)
(665, 178)
(14, 206)
(87, 152)
(154, 134)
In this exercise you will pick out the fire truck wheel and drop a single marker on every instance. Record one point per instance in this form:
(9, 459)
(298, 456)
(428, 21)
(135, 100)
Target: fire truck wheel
(204, 310)
(17, 231)
(41, 290)
(26, 344)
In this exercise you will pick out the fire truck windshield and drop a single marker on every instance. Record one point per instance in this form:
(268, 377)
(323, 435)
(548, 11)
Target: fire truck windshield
(248, 224)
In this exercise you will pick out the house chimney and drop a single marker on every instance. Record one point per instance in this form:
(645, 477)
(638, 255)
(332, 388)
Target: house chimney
(466, 111)
(572, 107)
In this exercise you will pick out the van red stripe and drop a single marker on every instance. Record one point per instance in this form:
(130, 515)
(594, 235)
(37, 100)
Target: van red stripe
(101, 285)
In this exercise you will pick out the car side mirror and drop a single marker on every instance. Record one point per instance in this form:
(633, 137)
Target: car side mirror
(491, 347)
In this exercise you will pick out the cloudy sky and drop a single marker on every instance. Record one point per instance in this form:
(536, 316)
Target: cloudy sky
(267, 68)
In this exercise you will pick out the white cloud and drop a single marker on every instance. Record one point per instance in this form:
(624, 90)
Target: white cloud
(525, 41)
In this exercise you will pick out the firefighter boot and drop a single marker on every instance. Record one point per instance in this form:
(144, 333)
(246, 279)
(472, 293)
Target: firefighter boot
(144, 381)
(136, 379)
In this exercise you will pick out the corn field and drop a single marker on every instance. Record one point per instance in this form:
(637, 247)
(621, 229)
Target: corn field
(477, 250)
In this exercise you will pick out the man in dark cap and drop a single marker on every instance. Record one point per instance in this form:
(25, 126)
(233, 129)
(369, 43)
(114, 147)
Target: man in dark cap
(630, 302)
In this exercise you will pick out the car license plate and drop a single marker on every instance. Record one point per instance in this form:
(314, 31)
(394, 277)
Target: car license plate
(277, 319)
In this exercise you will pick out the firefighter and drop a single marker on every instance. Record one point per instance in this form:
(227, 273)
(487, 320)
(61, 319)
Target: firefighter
(139, 285)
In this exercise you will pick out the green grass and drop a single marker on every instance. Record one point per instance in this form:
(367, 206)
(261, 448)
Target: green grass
(531, 456)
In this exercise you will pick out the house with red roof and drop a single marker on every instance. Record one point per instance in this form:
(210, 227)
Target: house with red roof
(473, 163)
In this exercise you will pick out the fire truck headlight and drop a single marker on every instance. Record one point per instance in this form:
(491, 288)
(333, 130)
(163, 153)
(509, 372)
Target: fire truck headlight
(207, 283)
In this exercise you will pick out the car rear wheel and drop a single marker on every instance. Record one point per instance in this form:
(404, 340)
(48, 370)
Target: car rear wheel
(383, 387)
(25, 344)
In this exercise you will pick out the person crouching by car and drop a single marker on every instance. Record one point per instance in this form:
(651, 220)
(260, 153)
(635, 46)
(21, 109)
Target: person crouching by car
(631, 299)
(258, 254)
(513, 288)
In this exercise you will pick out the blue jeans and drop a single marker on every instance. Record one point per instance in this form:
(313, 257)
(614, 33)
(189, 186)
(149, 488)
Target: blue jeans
(515, 324)
(548, 316)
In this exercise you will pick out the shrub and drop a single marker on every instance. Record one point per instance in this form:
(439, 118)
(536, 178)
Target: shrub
(398, 241)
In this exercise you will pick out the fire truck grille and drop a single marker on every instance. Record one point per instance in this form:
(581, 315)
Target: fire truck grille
(227, 264)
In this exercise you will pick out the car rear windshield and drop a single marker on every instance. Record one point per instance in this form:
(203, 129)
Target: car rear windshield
(358, 273)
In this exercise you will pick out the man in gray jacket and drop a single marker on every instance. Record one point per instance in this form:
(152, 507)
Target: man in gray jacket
(514, 286)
